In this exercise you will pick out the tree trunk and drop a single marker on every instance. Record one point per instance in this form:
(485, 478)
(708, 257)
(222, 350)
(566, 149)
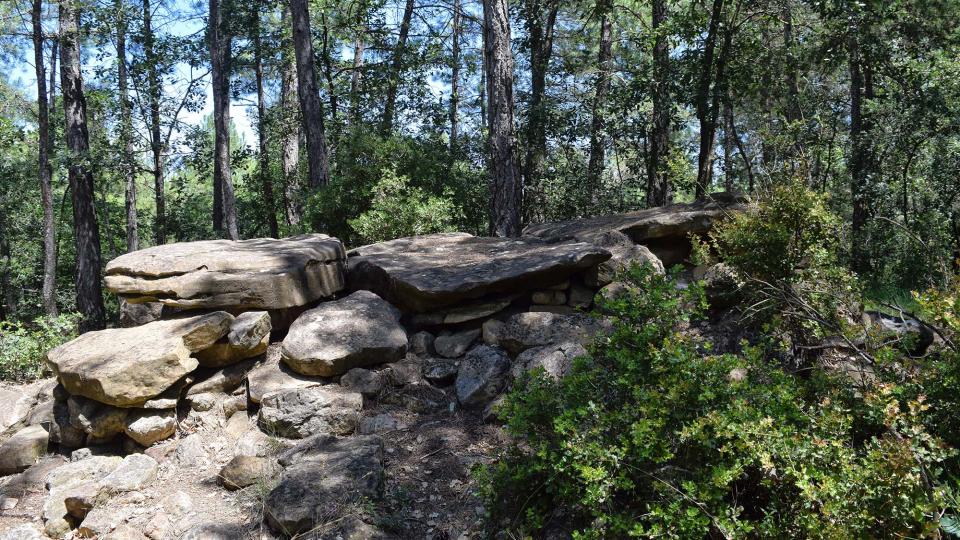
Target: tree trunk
(311, 108)
(220, 43)
(126, 129)
(706, 119)
(455, 77)
(356, 76)
(328, 76)
(859, 156)
(266, 183)
(601, 89)
(728, 143)
(44, 171)
(156, 145)
(290, 157)
(658, 182)
(505, 183)
(396, 68)
(541, 20)
(86, 231)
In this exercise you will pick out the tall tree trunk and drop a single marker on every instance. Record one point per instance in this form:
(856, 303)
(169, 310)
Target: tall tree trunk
(706, 120)
(156, 144)
(728, 143)
(126, 128)
(455, 77)
(601, 89)
(44, 171)
(860, 89)
(290, 156)
(86, 231)
(356, 76)
(505, 183)
(541, 18)
(266, 183)
(658, 182)
(220, 43)
(328, 76)
(311, 108)
(396, 68)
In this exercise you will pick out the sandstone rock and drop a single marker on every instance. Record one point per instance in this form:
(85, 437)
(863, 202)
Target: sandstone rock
(908, 332)
(125, 367)
(428, 273)
(139, 314)
(257, 443)
(274, 376)
(169, 398)
(132, 474)
(721, 286)
(125, 532)
(243, 471)
(557, 310)
(440, 371)
(249, 336)
(381, 423)
(491, 331)
(614, 291)
(307, 411)
(99, 522)
(555, 360)
(62, 431)
(238, 424)
(66, 477)
(24, 531)
(192, 452)
(251, 274)
(462, 313)
(482, 375)
(455, 345)
(580, 297)
(100, 422)
(421, 343)
(324, 472)
(214, 530)
(525, 330)
(410, 371)
(663, 229)
(549, 298)
(227, 379)
(148, 427)
(17, 402)
(356, 331)
(369, 383)
(625, 254)
(23, 449)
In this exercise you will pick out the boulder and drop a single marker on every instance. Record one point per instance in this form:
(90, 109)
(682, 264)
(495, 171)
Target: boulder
(100, 422)
(62, 431)
(258, 274)
(274, 376)
(249, 336)
(491, 331)
(17, 402)
(243, 471)
(482, 375)
(428, 273)
(307, 411)
(359, 330)
(226, 379)
(462, 313)
(526, 330)
(421, 343)
(22, 450)
(72, 475)
(125, 367)
(555, 360)
(149, 427)
(324, 472)
(132, 474)
(624, 255)
(664, 229)
(455, 344)
(580, 297)
(138, 314)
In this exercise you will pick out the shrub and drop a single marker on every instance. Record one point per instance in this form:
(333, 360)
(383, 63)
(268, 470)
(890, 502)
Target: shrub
(401, 210)
(24, 345)
(652, 436)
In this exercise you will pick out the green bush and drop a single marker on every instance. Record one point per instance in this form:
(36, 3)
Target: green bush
(653, 436)
(400, 210)
(24, 345)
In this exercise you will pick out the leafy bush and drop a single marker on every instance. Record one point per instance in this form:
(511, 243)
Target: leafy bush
(652, 436)
(400, 210)
(24, 345)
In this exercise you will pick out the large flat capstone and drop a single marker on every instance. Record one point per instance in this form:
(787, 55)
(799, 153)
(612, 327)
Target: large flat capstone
(424, 273)
(125, 367)
(262, 273)
(663, 229)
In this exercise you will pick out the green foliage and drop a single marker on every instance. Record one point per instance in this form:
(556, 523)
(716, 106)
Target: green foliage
(23, 346)
(400, 210)
(652, 436)
(786, 251)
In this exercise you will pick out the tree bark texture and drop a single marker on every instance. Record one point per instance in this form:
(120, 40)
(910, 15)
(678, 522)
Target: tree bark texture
(266, 182)
(540, 20)
(126, 130)
(658, 181)
(601, 90)
(311, 108)
(396, 68)
(220, 58)
(44, 171)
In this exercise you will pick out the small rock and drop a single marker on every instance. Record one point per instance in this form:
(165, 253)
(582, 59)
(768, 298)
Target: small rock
(404, 373)
(8, 503)
(440, 371)
(549, 298)
(237, 425)
(380, 423)
(555, 360)
(369, 383)
(133, 473)
(125, 532)
(148, 427)
(491, 331)
(177, 504)
(97, 420)
(482, 375)
(274, 376)
(455, 345)
(526, 330)
(224, 380)
(421, 343)
(243, 471)
(22, 450)
(580, 296)
(249, 336)
(24, 531)
(191, 451)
